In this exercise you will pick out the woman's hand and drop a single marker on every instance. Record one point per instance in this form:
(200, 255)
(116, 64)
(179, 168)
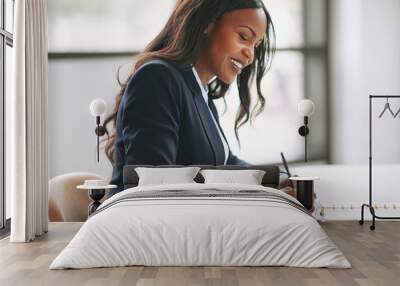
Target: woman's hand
(287, 186)
(290, 191)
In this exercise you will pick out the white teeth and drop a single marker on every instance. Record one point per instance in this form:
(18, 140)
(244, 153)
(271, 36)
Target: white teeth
(237, 64)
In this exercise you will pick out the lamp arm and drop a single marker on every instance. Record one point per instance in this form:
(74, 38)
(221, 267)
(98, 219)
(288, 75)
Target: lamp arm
(100, 131)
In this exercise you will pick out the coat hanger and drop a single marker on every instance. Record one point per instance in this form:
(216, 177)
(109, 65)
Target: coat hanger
(387, 107)
(398, 111)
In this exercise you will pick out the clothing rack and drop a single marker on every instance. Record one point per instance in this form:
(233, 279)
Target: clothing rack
(369, 205)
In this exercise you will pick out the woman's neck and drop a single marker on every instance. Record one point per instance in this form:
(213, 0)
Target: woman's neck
(203, 71)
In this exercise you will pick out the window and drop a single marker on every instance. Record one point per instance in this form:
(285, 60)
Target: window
(88, 38)
(103, 25)
(6, 43)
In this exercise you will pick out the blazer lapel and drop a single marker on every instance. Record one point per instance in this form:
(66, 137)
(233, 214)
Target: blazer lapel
(205, 117)
(215, 112)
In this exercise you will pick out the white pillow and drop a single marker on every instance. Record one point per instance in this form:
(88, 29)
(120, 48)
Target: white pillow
(248, 177)
(163, 176)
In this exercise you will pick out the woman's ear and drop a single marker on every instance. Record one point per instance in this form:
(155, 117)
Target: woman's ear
(209, 28)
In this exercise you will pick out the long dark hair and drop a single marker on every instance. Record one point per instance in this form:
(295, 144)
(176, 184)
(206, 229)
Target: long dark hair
(178, 43)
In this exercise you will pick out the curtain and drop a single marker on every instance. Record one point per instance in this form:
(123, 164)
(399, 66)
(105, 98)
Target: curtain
(27, 123)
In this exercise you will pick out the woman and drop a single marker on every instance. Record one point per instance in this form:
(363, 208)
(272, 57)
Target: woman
(164, 113)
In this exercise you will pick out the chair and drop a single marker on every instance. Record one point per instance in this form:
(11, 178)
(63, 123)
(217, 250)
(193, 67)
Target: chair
(66, 203)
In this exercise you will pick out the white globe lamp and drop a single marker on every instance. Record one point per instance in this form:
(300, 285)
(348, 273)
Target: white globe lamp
(305, 108)
(97, 108)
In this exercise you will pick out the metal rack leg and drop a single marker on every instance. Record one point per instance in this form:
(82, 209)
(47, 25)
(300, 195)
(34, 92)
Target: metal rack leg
(372, 210)
(362, 215)
(374, 216)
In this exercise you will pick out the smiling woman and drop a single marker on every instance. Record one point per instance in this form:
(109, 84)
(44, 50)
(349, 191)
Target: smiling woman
(164, 113)
(231, 42)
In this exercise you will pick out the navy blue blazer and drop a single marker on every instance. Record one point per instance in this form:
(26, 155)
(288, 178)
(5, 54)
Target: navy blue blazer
(164, 120)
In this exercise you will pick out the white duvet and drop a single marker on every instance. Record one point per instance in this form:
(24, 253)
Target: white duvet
(200, 231)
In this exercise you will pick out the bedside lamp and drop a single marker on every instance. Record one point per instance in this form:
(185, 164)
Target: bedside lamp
(305, 108)
(98, 108)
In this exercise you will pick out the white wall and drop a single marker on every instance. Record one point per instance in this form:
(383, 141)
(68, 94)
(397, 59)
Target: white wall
(365, 59)
(73, 83)
(342, 189)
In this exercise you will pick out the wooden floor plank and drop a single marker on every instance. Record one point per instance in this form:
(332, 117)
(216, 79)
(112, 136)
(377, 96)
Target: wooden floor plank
(374, 255)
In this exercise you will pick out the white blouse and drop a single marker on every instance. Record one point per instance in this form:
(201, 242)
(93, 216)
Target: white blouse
(204, 92)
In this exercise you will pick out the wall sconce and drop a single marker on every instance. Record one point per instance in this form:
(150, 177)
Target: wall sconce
(305, 108)
(97, 108)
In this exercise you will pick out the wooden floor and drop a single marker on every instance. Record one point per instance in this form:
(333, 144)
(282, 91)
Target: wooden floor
(374, 255)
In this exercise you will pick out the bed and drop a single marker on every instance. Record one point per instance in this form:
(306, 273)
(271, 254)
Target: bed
(201, 224)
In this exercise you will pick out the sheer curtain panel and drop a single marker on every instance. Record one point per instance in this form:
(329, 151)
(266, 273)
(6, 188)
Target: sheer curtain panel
(27, 123)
